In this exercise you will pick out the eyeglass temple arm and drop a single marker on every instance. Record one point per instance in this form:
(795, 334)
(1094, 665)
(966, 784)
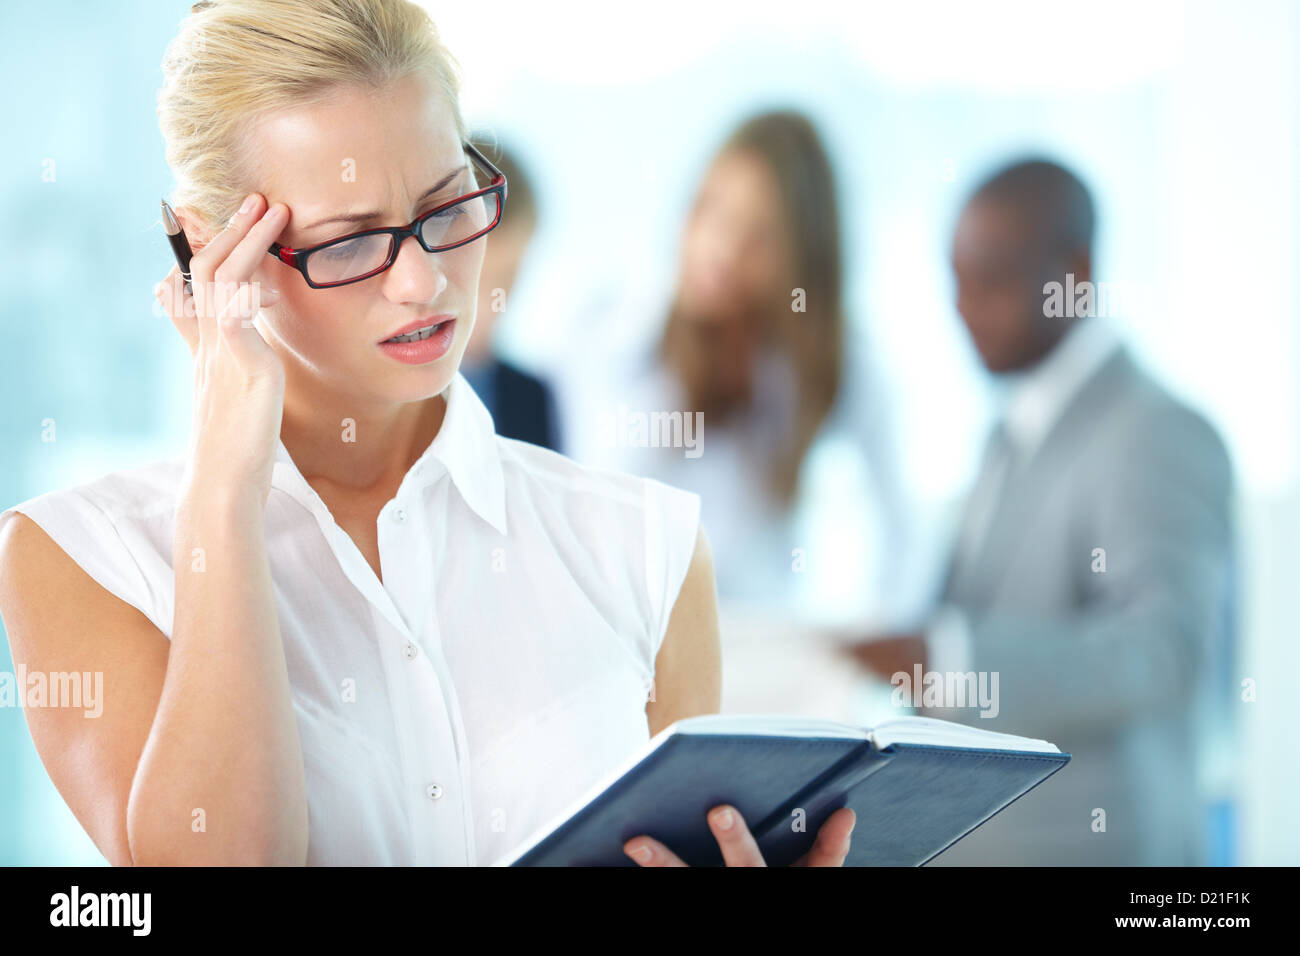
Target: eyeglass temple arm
(487, 164)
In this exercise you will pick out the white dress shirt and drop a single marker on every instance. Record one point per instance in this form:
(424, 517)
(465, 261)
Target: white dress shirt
(1030, 404)
(500, 668)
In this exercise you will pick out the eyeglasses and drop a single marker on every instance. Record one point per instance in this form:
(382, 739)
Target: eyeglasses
(360, 255)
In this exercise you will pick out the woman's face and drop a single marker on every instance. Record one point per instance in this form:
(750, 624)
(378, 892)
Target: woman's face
(365, 152)
(735, 250)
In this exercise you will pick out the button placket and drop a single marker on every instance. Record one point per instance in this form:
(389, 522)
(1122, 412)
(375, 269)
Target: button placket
(431, 637)
(401, 552)
(430, 755)
(434, 765)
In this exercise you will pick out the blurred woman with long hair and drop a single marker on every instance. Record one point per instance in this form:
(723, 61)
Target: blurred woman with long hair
(759, 288)
(747, 364)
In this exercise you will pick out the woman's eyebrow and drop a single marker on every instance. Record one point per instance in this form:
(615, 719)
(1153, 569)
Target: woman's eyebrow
(359, 217)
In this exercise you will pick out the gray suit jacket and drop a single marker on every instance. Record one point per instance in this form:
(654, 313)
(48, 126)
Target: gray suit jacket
(1110, 665)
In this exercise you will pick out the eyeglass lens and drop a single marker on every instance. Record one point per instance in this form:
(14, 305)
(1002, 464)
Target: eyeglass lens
(357, 257)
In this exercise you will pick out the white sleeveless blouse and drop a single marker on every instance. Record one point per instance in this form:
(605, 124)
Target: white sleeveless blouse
(500, 669)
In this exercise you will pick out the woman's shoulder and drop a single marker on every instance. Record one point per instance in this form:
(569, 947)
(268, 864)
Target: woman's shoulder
(117, 528)
(635, 534)
(130, 493)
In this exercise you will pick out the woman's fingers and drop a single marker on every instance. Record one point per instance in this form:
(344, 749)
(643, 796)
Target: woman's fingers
(648, 852)
(207, 260)
(734, 839)
(240, 335)
(257, 232)
(833, 840)
(224, 299)
(739, 847)
(208, 298)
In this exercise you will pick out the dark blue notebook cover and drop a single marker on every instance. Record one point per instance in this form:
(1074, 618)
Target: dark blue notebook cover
(912, 801)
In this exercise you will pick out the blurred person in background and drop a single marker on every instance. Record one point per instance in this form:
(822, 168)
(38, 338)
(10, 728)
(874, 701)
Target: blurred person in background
(1091, 571)
(522, 405)
(751, 357)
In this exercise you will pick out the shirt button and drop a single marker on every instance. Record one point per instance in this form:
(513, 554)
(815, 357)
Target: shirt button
(434, 791)
(399, 515)
(411, 651)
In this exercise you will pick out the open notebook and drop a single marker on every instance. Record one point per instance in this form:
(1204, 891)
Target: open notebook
(917, 785)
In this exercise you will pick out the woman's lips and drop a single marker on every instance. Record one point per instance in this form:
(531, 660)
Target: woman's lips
(418, 324)
(422, 351)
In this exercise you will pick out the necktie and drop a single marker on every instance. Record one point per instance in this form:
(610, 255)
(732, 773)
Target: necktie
(999, 456)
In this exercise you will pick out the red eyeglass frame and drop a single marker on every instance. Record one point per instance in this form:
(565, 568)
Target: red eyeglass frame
(297, 258)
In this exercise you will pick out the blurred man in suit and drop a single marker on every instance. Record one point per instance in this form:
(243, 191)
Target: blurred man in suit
(1091, 570)
(522, 405)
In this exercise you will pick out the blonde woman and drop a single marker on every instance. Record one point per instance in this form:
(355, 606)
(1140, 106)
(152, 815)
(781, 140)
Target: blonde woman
(350, 625)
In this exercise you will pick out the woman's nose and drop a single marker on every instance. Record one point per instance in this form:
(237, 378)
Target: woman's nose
(416, 275)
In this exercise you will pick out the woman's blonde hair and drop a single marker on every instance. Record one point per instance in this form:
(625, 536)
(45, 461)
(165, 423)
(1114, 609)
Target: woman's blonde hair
(235, 60)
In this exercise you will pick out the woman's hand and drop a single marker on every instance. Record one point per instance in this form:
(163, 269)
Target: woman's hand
(738, 846)
(238, 377)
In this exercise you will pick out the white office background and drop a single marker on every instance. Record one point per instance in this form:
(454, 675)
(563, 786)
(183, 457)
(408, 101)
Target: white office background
(1182, 117)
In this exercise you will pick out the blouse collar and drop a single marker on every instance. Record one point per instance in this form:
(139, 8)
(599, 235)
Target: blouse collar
(465, 448)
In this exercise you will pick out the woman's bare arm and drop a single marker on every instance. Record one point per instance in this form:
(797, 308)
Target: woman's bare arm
(221, 778)
(59, 619)
(688, 670)
(194, 758)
